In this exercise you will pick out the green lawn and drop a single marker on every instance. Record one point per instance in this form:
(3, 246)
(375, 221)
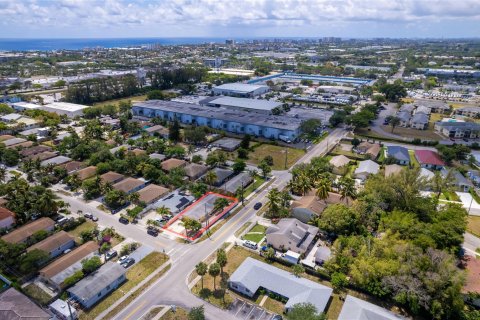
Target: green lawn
(381, 155)
(256, 234)
(450, 196)
(277, 153)
(87, 225)
(37, 294)
(117, 101)
(413, 160)
(257, 183)
(135, 275)
(473, 225)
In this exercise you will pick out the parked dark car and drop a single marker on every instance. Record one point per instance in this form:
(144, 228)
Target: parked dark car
(111, 254)
(123, 220)
(152, 231)
(129, 262)
(88, 215)
(257, 205)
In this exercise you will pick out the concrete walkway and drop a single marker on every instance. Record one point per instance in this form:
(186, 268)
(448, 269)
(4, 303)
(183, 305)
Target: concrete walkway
(129, 293)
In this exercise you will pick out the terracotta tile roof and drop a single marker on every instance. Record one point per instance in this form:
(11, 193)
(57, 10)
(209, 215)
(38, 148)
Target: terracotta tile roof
(128, 184)
(34, 150)
(72, 166)
(43, 156)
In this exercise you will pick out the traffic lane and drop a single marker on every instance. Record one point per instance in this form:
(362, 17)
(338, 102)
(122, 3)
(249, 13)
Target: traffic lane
(108, 220)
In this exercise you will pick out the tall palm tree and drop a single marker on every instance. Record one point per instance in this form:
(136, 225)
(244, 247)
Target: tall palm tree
(201, 269)
(46, 202)
(347, 188)
(3, 173)
(163, 211)
(210, 178)
(324, 186)
(274, 201)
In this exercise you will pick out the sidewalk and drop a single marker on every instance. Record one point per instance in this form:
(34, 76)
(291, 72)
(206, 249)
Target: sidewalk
(138, 286)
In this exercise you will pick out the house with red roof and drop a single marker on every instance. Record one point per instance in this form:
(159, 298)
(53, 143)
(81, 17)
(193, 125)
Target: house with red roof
(7, 218)
(429, 159)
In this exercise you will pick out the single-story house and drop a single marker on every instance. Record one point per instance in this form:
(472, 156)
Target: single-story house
(85, 173)
(14, 305)
(56, 272)
(291, 234)
(427, 174)
(98, 284)
(7, 218)
(42, 156)
(129, 185)
(392, 169)
(72, 166)
(138, 152)
(194, 170)
(170, 164)
(339, 163)
(358, 309)
(366, 168)
(474, 176)
(429, 159)
(111, 177)
(222, 175)
(13, 141)
(123, 147)
(400, 154)
(152, 193)
(370, 149)
(55, 161)
(309, 206)
(23, 234)
(419, 121)
(461, 183)
(253, 275)
(407, 108)
(21, 145)
(157, 156)
(236, 182)
(63, 310)
(54, 245)
(157, 130)
(423, 109)
(227, 144)
(34, 150)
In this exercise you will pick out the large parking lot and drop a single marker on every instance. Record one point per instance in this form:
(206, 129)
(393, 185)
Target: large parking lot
(248, 311)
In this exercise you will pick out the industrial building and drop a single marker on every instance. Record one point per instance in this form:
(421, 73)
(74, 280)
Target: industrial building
(242, 104)
(241, 122)
(71, 110)
(243, 90)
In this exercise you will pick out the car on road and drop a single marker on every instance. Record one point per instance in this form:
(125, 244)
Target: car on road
(110, 255)
(152, 231)
(122, 259)
(123, 220)
(129, 262)
(95, 219)
(257, 205)
(250, 244)
(88, 215)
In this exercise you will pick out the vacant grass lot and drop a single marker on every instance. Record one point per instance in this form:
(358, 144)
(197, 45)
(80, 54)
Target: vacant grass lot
(414, 133)
(179, 314)
(87, 225)
(277, 153)
(37, 294)
(117, 101)
(135, 275)
(474, 225)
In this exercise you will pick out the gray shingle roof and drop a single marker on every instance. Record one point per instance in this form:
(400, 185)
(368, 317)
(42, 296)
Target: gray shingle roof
(16, 306)
(399, 153)
(357, 309)
(91, 285)
(253, 274)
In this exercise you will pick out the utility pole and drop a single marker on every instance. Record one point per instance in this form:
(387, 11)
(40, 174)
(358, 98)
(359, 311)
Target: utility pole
(243, 194)
(286, 157)
(69, 309)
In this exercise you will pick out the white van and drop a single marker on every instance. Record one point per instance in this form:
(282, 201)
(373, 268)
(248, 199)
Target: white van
(250, 244)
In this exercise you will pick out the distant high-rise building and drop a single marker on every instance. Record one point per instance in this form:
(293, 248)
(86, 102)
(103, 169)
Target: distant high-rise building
(230, 42)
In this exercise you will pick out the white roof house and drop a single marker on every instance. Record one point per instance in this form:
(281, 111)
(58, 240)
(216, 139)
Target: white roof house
(366, 168)
(69, 109)
(253, 274)
(357, 309)
(427, 174)
(339, 161)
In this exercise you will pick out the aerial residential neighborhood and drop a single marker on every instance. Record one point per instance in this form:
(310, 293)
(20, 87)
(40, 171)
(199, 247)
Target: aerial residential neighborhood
(239, 160)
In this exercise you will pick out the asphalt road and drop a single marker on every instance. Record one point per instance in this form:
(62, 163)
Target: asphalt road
(172, 288)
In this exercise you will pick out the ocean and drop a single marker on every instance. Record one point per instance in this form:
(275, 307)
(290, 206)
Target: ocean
(76, 44)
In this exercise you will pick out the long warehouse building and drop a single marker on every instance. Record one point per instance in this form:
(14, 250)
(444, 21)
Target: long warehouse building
(241, 122)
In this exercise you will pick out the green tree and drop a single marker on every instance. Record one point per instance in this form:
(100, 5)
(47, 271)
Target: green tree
(338, 219)
(221, 259)
(266, 169)
(196, 313)
(155, 95)
(310, 126)
(245, 143)
(270, 253)
(210, 178)
(32, 261)
(347, 188)
(214, 271)
(239, 165)
(393, 121)
(115, 199)
(298, 270)
(174, 131)
(339, 281)
(304, 311)
(323, 189)
(242, 153)
(91, 264)
(201, 268)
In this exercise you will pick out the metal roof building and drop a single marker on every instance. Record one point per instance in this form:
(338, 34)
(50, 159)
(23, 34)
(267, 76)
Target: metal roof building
(251, 105)
(240, 89)
(357, 309)
(253, 274)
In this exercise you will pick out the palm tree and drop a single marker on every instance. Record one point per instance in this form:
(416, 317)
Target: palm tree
(323, 188)
(3, 173)
(221, 259)
(201, 269)
(163, 211)
(440, 183)
(46, 202)
(347, 188)
(210, 178)
(304, 183)
(274, 201)
(133, 197)
(214, 271)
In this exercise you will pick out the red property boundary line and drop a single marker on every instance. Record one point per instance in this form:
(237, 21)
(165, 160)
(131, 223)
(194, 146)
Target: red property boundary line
(210, 223)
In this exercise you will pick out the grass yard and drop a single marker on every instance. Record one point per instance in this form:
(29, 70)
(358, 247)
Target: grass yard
(257, 183)
(37, 294)
(152, 313)
(413, 160)
(135, 275)
(450, 196)
(381, 155)
(87, 225)
(179, 314)
(473, 225)
(278, 154)
(117, 101)
(274, 306)
(256, 234)
(414, 133)
(243, 228)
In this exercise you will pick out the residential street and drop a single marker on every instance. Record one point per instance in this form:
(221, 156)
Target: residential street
(185, 257)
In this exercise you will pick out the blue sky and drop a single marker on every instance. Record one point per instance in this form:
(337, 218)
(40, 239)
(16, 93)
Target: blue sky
(239, 18)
